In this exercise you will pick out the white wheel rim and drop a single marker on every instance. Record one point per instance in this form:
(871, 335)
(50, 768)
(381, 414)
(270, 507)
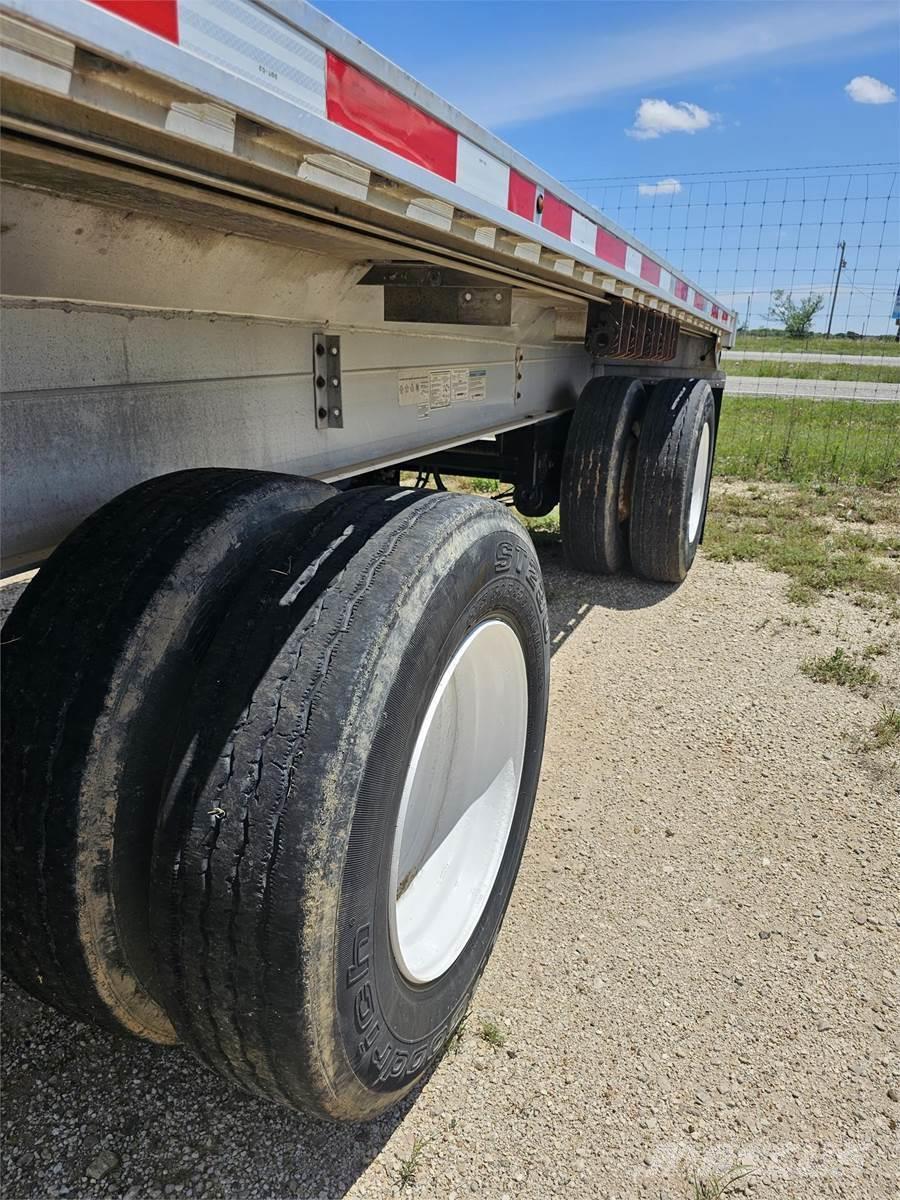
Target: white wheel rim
(458, 802)
(698, 484)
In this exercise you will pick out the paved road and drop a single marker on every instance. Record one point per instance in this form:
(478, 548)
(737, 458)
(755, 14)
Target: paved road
(803, 356)
(812, 389)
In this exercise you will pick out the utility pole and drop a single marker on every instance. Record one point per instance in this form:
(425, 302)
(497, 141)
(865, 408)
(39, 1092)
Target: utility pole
(842, 262)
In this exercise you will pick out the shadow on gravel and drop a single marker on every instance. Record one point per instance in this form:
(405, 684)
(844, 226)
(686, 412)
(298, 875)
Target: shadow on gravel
(571, 595)
(71, 1092)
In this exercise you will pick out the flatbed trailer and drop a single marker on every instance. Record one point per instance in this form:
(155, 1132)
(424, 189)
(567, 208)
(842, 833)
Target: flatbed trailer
(251, 271)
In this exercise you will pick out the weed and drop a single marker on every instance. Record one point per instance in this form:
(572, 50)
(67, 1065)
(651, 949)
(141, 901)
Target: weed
(886, 730)
(492, 1034)
(454, 1042)
(484, 486)
(715, 1187)
(408, 1170)
(538, 527)
(876, 649)
(796, 532)
(840, 668)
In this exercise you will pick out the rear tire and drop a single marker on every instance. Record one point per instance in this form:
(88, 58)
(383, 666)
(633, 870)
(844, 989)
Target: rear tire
(595, 497)
(671, 481)
(289, 960)
(101, 649)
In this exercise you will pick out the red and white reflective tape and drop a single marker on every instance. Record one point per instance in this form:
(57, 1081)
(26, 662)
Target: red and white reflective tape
(244, 39)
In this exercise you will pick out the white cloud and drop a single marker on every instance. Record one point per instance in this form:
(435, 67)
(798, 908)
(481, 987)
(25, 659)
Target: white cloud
(572, 70)
(656, 117)
(665, 187)
(866, 89)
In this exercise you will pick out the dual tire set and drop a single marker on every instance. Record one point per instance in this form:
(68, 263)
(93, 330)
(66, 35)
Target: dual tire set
(270, 750)
(270, 755)
(635, 479)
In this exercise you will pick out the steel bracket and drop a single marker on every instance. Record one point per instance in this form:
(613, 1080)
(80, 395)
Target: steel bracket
(438, 295)
(328, 396)
(625, 330)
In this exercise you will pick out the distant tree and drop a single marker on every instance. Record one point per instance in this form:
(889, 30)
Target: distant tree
(795, 315)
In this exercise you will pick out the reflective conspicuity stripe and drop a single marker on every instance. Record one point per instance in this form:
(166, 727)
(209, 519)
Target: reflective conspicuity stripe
(611, 248)
(359, 103)
(557, 217)
(244, 38)
(522, 199)
(156, 16)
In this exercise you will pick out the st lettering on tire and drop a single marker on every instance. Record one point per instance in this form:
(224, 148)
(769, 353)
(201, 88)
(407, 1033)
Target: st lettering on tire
(351, 797)
(671, 479)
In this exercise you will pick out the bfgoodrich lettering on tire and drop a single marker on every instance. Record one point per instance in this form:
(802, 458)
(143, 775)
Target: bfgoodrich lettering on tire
(351, 797)
(671, 479)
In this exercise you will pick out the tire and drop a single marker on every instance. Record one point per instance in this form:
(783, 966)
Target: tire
(101, 648)
(671, 479)
(595, 497)
(285, 953)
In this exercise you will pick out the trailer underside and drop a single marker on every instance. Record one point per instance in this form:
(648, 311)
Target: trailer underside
(151, 323)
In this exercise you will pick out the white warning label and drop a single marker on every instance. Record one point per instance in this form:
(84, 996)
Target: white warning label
(441, 387)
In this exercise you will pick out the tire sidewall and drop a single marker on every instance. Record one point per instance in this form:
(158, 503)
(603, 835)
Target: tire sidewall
(700, 413)
(387, 1032)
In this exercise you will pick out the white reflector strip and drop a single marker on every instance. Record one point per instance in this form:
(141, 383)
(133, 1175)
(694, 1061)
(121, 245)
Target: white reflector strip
(632, 261)
(480, 173)
(584, 233)
(256, 47)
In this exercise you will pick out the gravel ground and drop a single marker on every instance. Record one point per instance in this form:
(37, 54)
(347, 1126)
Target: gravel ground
(699, 967)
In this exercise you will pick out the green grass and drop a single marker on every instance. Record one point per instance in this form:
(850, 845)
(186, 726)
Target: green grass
(849, 372)
(454, 1042)
(716, 1187)
(818, 344)
(484, 486)
(408, 1170)
(802, 533)
(886, 730)
(842, 668)
(491, 1033)
(798, 441)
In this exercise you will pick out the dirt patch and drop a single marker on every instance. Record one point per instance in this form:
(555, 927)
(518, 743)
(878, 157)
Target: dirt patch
(698, 970)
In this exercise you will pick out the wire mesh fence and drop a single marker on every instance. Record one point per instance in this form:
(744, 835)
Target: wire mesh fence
(810, 260)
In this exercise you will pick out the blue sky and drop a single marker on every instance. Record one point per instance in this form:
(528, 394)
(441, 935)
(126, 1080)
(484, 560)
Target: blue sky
(561, 81)
(732, 85)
